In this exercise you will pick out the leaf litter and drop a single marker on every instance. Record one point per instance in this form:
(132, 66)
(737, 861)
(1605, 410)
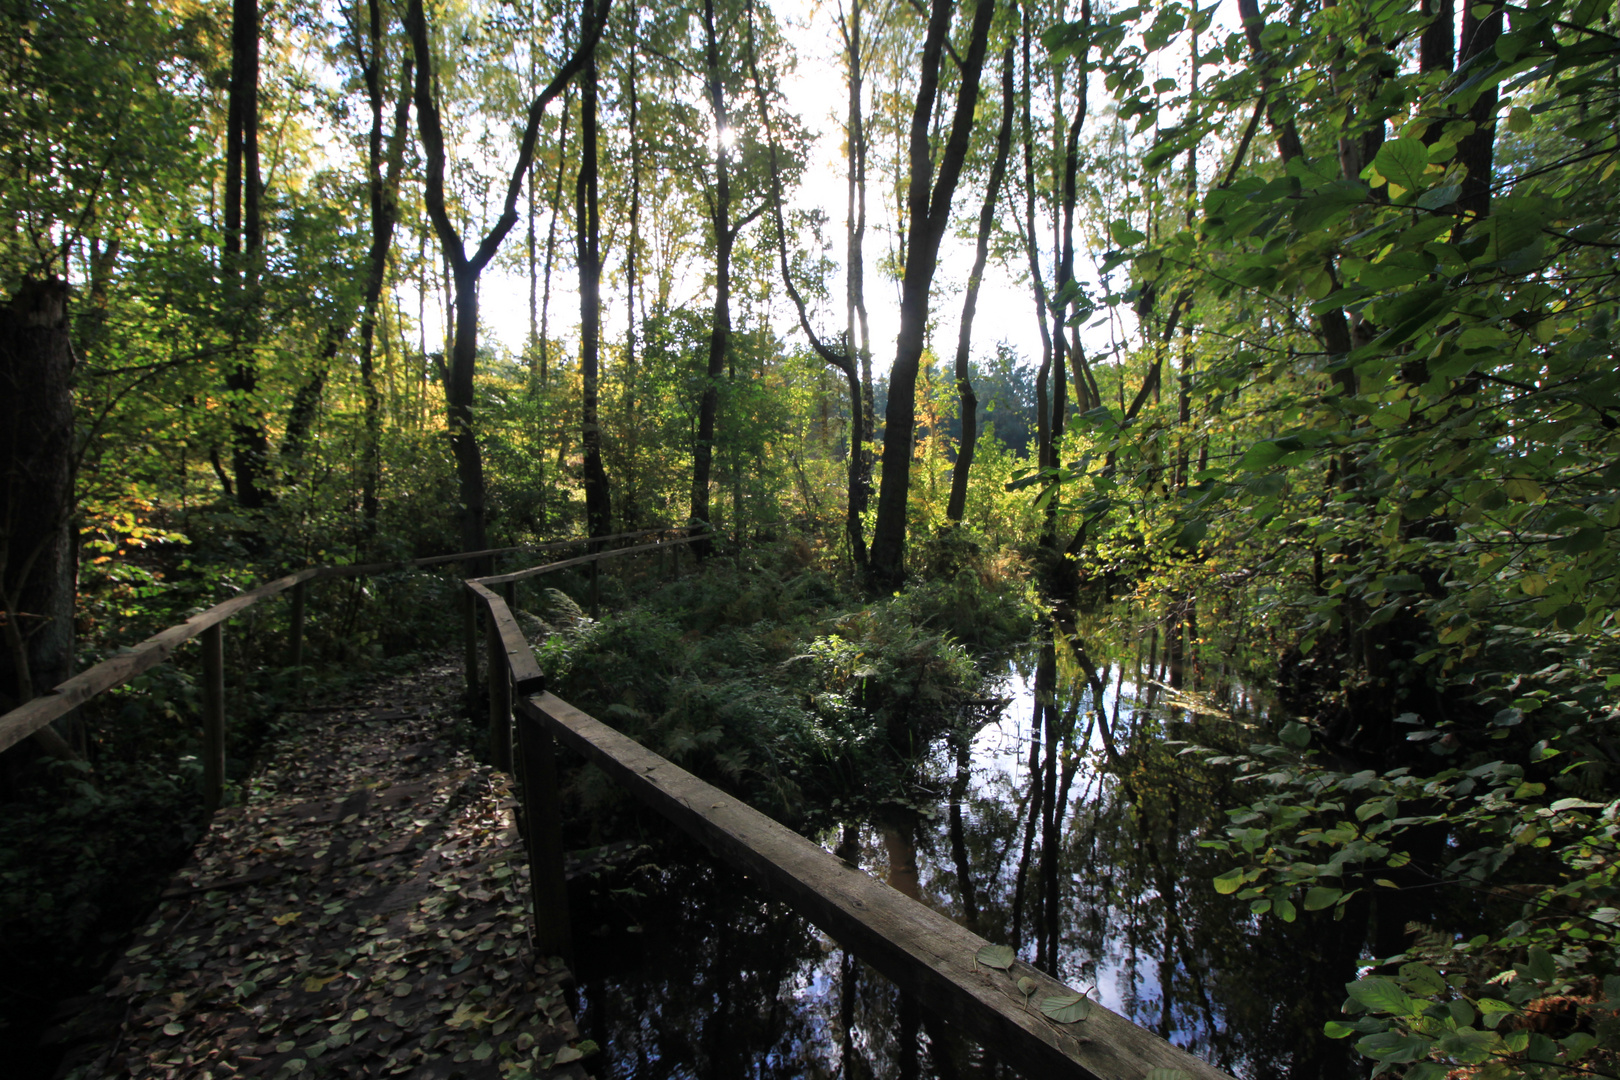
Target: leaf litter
(364, 914)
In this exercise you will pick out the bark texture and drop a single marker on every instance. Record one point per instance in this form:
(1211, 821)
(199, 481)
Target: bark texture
(37, 553)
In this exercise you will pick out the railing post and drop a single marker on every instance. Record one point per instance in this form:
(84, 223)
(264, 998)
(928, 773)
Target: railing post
(542, 837)
(510, 592)
(469, 643)
(213, 718)
(295, 646)
(500, 697)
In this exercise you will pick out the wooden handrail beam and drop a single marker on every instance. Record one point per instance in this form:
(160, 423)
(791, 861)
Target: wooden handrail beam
(66, 696)
(533, 571)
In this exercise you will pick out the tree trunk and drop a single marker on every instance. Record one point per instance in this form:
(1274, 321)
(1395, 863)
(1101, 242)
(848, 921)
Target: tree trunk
(928, 213)
(244, 236)
(383, 188)
(857, 334)
(629, 507)
(38, 563)
(987, 217)
(598, 500)
(720, 330)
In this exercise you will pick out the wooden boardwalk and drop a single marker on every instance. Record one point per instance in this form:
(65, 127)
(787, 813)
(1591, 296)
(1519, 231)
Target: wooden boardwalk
(363, 913)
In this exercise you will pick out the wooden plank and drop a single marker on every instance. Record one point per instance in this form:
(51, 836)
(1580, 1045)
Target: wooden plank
(24, 720)
(542, 838)
(519, 575)
(469, 645)
(500, 698)
(295, 644)
(922, 951)
(213, 716)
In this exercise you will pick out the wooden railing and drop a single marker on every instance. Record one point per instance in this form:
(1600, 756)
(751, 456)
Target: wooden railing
(33, 718)
(923, 952)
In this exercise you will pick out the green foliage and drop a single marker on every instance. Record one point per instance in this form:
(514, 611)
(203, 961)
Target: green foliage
(773, 682)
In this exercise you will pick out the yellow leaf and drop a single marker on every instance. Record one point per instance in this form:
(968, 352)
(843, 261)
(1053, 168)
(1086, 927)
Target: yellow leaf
(290, 917)
(313, 984)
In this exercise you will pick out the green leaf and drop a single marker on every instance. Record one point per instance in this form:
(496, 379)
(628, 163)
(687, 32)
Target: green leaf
(1026, 985)
(1000, 957)
(461, 965)
(1229, 882)
(1285, 910)
(1336, 1029)
(1542, 968)
(1393, 1046)
(1381, 995)
(1403, 162)
(1469, 1046)
(1067, 1008)
(1420, 978)
(1124, 235)
(174, 1027)
(1321, 896)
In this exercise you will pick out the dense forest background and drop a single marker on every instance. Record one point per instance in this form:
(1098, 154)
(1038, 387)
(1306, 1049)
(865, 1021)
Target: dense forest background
(1320, 373)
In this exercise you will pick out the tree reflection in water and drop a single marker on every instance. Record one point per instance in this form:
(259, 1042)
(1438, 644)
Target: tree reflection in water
(1068, 825)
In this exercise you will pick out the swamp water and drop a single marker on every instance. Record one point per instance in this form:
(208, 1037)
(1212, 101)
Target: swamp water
(1071, 831)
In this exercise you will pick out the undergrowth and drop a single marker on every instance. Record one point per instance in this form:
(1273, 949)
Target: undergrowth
(779, 680)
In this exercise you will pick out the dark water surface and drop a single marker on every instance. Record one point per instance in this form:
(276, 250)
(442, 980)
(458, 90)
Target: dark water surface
(1069, 828)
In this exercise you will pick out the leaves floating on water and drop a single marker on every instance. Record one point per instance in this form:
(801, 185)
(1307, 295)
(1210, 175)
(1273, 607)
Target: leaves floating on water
(1000, 957)
(1070, 1009)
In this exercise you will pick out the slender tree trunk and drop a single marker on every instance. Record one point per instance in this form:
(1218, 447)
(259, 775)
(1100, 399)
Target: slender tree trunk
(720, 329)
(987, 217)
(250, 444)
(928, 212)
(857, 336)
(630, 512)
(598, 500)
(382, 182)
(1043, 420)
(544, 345)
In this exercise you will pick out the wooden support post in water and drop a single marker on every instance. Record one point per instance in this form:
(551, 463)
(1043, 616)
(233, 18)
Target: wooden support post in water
(469, 644)
(500, 699)
(542, 836)
(213, 715)
(295, 644)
